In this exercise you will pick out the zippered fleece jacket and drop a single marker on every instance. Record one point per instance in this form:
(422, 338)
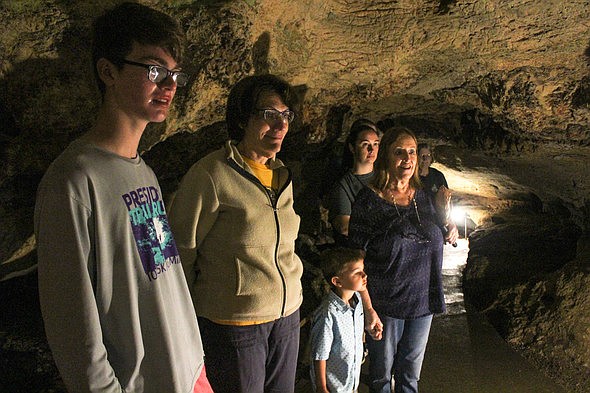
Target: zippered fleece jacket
(237, 239)
(117, 310)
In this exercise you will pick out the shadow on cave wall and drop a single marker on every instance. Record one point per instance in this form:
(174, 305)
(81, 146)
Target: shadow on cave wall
(172, 158)
(581, 96)
(45, 104)
(319, 167)
(444, 6)
(37, 124)
(260, 52)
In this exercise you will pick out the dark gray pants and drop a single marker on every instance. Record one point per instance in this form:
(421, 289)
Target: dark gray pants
(251, 359)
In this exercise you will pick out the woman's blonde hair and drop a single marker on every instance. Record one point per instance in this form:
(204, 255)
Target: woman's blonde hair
(381, 166)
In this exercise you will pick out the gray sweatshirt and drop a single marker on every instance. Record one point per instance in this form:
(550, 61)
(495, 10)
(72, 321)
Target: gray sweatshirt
(117, 310)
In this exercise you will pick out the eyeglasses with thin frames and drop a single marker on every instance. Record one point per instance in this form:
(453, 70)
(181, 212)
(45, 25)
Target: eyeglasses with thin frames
(273, 115)
(158, 74)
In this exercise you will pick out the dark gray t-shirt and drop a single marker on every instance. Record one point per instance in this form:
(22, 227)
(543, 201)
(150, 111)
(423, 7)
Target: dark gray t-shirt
(433, 181)
(343, 194)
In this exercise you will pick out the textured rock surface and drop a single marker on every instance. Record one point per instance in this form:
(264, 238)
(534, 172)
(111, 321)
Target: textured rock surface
(502, 75)
(536, 293)
(503, 86)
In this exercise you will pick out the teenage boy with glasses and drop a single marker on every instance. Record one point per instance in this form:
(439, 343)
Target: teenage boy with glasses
(117, 310)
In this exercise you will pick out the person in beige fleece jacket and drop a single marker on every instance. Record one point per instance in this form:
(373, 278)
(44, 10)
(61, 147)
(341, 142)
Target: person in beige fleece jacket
(235, 227)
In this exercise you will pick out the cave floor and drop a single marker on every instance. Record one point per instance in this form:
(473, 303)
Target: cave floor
(465, 354)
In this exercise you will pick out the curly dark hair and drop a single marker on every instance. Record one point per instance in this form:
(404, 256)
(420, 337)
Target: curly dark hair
(243, 98)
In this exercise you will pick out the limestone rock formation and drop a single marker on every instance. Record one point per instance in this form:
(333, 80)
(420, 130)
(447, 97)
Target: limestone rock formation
(505, 75)
(502, 85)
(536, 292)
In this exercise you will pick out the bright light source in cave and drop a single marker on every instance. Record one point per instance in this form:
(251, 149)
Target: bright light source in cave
(458, 215)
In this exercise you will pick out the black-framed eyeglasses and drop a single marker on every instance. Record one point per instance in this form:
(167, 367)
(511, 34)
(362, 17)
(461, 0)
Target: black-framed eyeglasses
(158, 74)
(273, 115)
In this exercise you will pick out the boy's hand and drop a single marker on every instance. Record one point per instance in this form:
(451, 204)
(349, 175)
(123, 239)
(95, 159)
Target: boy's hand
(373, 324)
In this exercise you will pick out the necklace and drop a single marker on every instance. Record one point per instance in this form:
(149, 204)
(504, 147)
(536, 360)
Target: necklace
(410, 195)
(415, 207)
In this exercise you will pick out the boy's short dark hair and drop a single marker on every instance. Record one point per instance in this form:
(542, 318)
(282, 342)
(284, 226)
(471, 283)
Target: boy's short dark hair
(333, 261)
(244, 96)
(114, 33)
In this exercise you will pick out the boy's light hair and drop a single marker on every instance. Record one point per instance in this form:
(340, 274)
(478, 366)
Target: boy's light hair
(334, 260)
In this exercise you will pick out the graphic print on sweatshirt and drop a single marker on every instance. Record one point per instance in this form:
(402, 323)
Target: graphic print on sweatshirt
(151, 229)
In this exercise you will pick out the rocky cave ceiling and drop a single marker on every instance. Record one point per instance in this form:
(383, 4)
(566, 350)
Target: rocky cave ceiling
(501, 77)
(501, 86)
(508, 79)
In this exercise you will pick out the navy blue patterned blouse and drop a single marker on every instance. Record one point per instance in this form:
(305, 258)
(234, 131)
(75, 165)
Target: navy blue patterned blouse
(404, 254)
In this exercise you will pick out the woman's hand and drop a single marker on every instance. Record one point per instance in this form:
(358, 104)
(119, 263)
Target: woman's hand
(442, 201)
(373, 324)
(452, 233)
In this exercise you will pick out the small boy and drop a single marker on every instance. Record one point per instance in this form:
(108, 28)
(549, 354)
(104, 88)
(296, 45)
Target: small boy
(338, 323)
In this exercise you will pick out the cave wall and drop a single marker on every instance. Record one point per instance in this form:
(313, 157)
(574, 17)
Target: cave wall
(510, 78)
(493, 75)
(528, 272)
